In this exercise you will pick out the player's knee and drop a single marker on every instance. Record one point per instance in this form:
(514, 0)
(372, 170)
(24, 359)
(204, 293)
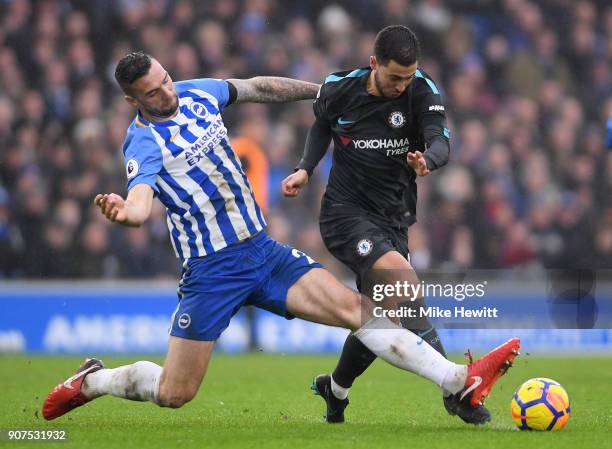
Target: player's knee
(174, 397)
(177, 401)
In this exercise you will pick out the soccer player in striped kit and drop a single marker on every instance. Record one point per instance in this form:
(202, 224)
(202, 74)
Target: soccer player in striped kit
(177, 150)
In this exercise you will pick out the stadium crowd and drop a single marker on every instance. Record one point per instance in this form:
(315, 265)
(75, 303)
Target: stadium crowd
(528, 87)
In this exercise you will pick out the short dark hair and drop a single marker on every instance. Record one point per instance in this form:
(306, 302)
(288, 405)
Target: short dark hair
(131, 67)
(398, 43)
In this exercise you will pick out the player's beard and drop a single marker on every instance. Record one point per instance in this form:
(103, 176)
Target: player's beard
(381, 87)
(163, 113)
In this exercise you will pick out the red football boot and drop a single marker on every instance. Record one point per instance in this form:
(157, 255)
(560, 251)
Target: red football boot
(483, 373)
(67, 395)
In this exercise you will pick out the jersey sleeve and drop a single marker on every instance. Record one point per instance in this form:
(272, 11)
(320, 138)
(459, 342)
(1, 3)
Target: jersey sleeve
(216, 87)
(321, 104)
(431, 119)
(143, 159)
(429, 107)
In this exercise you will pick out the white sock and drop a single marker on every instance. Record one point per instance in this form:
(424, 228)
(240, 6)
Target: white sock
(403, 349)
(137, 382)
(337, 390)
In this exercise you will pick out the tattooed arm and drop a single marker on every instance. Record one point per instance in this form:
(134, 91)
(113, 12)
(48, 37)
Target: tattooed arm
(273, 89)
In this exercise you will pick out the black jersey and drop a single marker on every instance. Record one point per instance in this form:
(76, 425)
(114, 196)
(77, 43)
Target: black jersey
(372, 135)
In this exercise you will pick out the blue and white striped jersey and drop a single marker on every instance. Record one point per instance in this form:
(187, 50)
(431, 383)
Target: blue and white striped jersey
(191, 166)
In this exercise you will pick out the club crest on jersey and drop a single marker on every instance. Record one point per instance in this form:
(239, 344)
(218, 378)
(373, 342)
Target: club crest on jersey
(198, 109)
(396, 119)
(364, 247)
(131, 168)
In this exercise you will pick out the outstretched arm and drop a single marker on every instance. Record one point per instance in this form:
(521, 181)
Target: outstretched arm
(133, 211)
(273, 89)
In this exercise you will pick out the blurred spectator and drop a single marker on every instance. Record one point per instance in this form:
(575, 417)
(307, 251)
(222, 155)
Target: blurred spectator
(255, 165)
(94, 247)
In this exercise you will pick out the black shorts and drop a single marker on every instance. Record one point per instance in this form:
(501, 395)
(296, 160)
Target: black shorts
(356, 240)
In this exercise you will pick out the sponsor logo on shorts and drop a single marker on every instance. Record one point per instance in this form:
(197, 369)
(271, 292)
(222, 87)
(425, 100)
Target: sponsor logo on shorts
(184, 321)
(364, 247)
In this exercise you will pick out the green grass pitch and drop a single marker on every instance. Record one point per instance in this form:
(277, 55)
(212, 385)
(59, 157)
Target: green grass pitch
(264, 401)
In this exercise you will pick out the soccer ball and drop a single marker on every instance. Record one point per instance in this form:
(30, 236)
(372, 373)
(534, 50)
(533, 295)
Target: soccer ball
(540, 404)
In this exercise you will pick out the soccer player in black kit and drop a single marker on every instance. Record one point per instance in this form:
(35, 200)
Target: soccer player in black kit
(388, 125)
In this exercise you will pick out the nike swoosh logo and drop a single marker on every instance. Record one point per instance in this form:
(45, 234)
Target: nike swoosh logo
(420, 342)
(468, 390)
(69, 381)
(341, 121)
(425, 332)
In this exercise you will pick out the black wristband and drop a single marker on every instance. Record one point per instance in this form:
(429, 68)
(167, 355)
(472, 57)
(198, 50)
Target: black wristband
(300, 167)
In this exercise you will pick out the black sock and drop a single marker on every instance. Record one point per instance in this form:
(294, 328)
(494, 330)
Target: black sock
(354, 360)
(422, 326)
(431, 336)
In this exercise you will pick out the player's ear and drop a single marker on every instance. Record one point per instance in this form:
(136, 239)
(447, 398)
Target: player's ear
(131, 100)
(373, 62)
